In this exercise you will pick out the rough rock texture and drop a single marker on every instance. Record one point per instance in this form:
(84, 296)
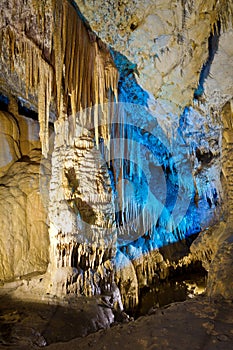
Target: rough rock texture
(41, 64)
(214, 248)
(168, 57)
(46, 71)
(30, 324)
(206, 325)
(168, 38)
(227, 119)
(220, 279)
(24, 230)
(81, 212)
(9, 142)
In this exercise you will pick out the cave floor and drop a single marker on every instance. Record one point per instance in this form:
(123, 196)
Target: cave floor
(194, 324)
(31, 324)
(198, 323)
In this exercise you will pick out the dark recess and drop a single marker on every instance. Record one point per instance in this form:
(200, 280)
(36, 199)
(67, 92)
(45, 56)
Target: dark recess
(4, 102)
(213, 43)
(29, 113)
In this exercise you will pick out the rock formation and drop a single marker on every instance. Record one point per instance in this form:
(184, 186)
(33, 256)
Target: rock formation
(116, 143)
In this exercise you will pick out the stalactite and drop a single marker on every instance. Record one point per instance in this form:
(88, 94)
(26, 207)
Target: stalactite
(224, 11)
(77, 75)
(35, 75)
(44, 99)
(85, 66)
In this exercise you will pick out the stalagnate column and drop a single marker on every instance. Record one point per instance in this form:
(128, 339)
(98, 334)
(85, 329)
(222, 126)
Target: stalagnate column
(81, 212)
(81, 215)
(66, 70)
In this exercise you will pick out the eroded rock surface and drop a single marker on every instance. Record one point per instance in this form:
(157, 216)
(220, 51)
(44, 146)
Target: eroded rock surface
(168, 38)
(24, 230)
(168, 57)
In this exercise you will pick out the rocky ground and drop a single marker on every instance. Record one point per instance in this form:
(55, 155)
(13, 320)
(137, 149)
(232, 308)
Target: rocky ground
(194, 324)
(85, 323)
(29, 324)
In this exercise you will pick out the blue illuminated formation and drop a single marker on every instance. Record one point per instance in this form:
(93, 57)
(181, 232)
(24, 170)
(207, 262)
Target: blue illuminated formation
(151, 174)
(129, 91)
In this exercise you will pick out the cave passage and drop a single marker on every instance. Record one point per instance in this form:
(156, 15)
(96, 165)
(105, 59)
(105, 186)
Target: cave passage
(179, 288)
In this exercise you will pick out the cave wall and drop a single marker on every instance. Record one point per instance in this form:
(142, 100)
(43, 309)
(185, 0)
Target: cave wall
(45, 76)
(24, 227)
(67, 200)
(168, 38)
